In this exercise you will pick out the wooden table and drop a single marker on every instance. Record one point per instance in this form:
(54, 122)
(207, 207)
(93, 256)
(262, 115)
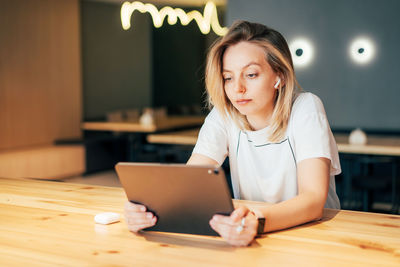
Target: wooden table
(376, 145)
(51, 224)
(186, 137)
(136, 132)
(167, 123)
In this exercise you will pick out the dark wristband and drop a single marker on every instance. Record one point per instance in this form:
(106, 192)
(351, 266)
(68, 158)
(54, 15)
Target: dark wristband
(261, 225)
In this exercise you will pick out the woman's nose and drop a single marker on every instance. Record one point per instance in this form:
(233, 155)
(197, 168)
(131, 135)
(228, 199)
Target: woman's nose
(240, 87)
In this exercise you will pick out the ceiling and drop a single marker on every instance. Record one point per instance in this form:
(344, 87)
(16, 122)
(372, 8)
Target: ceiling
(172, 3)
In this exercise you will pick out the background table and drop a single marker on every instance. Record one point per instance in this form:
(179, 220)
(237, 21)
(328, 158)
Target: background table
(187, 137)
(51, 224)
(377, 145)
(136, 132)
(376, 149)
(167, 123)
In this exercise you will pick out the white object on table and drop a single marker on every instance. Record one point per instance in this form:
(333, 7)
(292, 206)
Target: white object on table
(147, 117)
(107, 217)
(358, 137)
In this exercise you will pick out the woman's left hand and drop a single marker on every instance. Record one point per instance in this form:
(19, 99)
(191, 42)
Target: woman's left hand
(238, 229)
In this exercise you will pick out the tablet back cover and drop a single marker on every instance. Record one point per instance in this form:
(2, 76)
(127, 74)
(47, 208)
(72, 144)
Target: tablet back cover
(183, 197)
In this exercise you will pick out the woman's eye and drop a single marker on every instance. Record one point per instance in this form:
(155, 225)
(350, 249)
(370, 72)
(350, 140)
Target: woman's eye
(252, 75)
(226, 79)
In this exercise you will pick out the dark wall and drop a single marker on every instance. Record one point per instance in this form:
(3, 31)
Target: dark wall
(143, 66)
(117, 67)
(178, 65)
(354, 96)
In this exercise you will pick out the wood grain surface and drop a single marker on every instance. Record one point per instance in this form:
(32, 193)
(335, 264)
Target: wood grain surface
(51, 224)
(40, 72)
(44, 162)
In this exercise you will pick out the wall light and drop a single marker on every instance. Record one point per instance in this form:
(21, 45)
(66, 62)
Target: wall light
(302, 52)
(209, 17)
(362, 50)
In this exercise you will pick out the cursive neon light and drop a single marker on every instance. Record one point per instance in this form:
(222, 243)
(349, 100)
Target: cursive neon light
(205, 21)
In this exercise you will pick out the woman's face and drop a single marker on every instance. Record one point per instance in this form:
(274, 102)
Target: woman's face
(249, 82)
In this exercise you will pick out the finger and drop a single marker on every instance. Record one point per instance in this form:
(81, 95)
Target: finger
(139, 218)
(234, 218)
(218, 227)
(239, 213)
(129, 206)
(249, 222)
(225, 227)
(227, 231)
(140, 224)
(231, 236)
(137, 228)
(224, 220)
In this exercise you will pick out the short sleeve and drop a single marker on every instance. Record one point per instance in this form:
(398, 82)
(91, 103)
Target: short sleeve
(312, 135)
(213, 140)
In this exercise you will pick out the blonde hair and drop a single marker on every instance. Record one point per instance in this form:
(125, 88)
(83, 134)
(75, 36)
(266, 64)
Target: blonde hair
(278, 56)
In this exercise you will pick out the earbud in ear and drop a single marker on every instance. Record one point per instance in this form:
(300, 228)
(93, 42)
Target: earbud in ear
(277, 83)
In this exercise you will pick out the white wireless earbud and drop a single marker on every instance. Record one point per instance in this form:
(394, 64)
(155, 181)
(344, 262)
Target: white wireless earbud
(277, 83)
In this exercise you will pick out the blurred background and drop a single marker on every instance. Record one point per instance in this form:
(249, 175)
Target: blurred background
(67, 62)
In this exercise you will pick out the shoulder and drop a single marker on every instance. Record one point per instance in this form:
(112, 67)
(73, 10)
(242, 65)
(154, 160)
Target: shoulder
(215, 121)
(307, 110)
(307, 103)
(214, 115)
(221, 123)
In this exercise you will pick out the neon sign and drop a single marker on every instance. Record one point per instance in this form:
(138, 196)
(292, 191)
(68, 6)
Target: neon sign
(208, 20)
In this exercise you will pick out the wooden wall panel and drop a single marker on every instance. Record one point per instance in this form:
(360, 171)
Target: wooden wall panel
(40, 72)
(44, 162)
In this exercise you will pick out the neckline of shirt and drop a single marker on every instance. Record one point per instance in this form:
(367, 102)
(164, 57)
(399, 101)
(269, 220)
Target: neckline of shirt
(258, 137)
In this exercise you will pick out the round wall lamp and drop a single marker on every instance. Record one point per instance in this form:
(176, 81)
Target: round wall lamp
(302, 52)
(362, 50)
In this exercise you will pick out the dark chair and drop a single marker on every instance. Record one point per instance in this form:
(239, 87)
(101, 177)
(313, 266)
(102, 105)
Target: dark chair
(373, 175)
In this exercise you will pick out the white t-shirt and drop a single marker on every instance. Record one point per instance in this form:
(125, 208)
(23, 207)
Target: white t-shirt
(265, 171)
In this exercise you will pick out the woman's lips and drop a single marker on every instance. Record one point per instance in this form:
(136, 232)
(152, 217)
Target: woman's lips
(243, 101)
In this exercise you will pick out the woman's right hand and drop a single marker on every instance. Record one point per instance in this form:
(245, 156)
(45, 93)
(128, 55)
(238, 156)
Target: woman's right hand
(137, 218)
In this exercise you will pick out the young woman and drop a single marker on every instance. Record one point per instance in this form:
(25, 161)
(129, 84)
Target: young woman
(280, 146)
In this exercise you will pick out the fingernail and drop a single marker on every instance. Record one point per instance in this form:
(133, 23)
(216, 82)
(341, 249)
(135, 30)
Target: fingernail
(142, 208)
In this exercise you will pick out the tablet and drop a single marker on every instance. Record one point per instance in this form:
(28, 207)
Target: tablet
(183, 197)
